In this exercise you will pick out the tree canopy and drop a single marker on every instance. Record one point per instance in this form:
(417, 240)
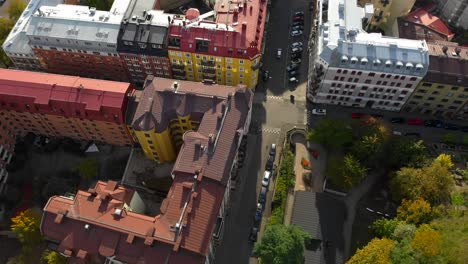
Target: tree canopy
(16, 8)
(433, 183)
(454, 235)
(331, 133)
(415, 212)
(26, 225)
(52, 257)
(427, 241)
(88, 168)
(282, 244)
(384, 227)
(407, 152)
(377, 251)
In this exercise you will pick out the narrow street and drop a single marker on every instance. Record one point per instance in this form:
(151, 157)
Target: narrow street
(271, 112)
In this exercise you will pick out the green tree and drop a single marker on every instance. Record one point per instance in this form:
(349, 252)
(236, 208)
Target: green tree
(26, 225)
(415, 212)
(404, 231)
(16, 8)
(5, 27)
(433, 183)
(52, 257)
(407, 152)
(384, 227)
(445, 160)
(370, 148)
(377, 251)
(346, 173)
(331, 133)
(88, 168)
(454, 234)
(282, 244)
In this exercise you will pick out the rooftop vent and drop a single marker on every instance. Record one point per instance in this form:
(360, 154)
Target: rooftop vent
(445, 49)
(92, 10)
(457, 51)
(175, 85)
(86, 227)
(118, 212)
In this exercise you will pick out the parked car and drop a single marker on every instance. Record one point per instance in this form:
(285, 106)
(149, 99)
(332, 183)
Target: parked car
(266, 178)
(272, 150)
(451, 126)
(311, 6)
(296, 45)
(269, 163)
(293, 80)
(415, 122)
(357, 115)
(296, 50)
(397, 133)
(294, 73)
(296, 61)
(298, 27)
(292, 67)
(266, 75)
(298, 18)
(299, 13)
(397, 120)
(318, 111)
(258, 212)
(262, 196)
(434, 123)
(253, 234)
(278, 53)
(296, 55)
(298, 23)
(296, 33)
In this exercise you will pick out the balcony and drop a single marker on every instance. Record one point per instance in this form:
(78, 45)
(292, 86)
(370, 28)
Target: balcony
(208, 63)
(178, 66)
(208, 71)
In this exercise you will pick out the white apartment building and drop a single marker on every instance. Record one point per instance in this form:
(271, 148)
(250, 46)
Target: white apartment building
(360, 69)
(16, 45)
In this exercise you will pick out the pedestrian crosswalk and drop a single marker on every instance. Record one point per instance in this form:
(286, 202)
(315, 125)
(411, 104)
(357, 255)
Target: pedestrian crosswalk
(271, 130)
(273, 97)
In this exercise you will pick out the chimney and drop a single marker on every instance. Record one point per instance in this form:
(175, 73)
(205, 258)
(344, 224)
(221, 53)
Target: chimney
(457, 51)
(175, 86)
(444, 49)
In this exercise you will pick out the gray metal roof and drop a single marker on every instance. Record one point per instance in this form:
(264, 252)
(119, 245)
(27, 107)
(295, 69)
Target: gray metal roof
(17, 41)
(78, 23)
(342, 36)
(322, 216)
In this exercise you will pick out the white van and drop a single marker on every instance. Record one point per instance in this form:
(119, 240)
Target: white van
(279, 52)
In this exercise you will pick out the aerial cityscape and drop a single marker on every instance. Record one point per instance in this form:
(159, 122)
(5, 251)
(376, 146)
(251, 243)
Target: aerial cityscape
(233, 131)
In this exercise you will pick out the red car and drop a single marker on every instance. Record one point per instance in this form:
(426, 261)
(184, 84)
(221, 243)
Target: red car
(415, 122)
(357, 115)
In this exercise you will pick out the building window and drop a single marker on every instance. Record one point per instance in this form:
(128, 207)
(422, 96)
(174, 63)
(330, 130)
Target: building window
(174, 42)
(202, 45)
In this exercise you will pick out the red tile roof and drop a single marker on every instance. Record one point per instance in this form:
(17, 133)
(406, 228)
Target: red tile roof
(236, 32)
(52, 93)
(423, 17)
(194, 199)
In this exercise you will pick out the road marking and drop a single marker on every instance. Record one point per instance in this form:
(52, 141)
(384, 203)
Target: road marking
(271, 130)
(273, 97)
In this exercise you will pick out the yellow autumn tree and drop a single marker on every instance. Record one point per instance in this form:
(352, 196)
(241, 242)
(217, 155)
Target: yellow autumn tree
(26, 225)
(377, 251)
(427, 241)
(416, 212)
(445, 160)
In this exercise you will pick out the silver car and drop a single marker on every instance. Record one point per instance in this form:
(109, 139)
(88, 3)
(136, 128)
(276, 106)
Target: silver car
(296, 33)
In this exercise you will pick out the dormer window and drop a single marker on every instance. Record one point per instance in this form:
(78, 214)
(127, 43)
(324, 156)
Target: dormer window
(388, 64)
(399, 65)
(344, 60)
(354, 60)
(419, 67)
(409, 66)
(364, 61)
(376, 62)
(174, 42)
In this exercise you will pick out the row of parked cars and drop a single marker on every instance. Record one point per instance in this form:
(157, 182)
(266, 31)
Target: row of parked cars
(267, 174)
(296, 48)
(429, 123)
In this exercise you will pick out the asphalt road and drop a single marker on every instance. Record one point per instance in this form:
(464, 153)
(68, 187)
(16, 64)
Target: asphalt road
(272, 111)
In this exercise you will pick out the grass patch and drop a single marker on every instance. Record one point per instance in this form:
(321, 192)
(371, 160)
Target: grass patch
(285, 181)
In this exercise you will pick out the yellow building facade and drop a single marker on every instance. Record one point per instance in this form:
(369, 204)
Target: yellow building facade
(222, 70)
(163, 146)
